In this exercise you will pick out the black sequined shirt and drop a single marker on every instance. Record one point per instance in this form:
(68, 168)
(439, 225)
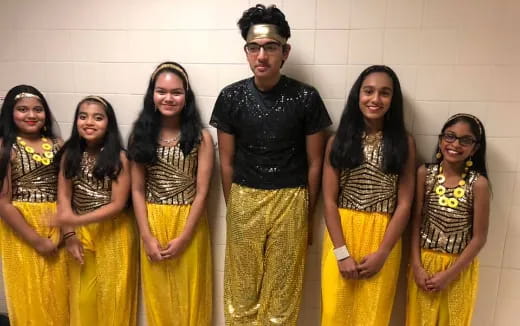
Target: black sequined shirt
(270, 129)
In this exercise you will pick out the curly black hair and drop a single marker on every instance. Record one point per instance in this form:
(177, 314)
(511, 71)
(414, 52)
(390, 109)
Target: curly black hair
(261, 14)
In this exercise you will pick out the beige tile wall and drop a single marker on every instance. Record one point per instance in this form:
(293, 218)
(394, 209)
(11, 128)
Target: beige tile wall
(451, 55)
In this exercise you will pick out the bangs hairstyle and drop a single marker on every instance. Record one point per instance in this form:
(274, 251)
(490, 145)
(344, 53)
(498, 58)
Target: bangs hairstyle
(108, 160)
(262, 15)
(8, 130)
(347, 151)
(477, 129)
(144, 137)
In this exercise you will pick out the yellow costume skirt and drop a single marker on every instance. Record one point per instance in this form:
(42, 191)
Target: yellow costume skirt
(36, 286)
(103, 291)
(265, 255)
(178, 291)
(364, 302)
(452, 306)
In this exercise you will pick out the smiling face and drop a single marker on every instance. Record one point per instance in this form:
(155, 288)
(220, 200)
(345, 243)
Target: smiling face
(456, 150)
(375, 96)
(29, 116)
(92, 122)
(169, 95)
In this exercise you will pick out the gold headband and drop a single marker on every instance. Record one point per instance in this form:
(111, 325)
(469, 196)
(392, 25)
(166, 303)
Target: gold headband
(174, 67)
(26, 95)
(470, 116)
(265, 31)
(97, 99)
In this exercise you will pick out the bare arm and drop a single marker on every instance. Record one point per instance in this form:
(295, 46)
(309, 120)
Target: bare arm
(480, 229)
(315, 146)
(226, 150)
(205, 167)
(331, 176)
(150, 243)
(397, 224)
(420, 273)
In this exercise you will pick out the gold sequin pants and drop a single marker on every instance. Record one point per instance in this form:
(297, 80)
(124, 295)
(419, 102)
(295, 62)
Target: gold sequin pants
(452, 306)
(103, 291)
(265, 255)
(365, 302)
(178, 291)
(36, 286)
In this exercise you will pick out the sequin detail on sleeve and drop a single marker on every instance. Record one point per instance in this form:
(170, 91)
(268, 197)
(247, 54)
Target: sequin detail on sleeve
(33, 181)
(89, 192)
(172, 179)
(367, 188)
(444, 228)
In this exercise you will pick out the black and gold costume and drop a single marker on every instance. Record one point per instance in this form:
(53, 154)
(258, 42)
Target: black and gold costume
(267, 206)
(36, 286)
(178, 291)
(104, 288)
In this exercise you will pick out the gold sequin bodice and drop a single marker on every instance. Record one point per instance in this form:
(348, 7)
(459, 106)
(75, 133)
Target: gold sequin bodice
(172, 179)
(367, 188)
(444, 228)
(89, 193)
(33, 181)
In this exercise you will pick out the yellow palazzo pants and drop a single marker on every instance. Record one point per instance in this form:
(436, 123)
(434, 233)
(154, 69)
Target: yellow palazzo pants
(36, 286)
(103, 291)
(265, 255)
(178, 291)
(452, 306)
(364, 302)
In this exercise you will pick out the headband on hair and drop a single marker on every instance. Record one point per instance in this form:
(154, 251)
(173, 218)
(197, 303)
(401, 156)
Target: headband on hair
(265, 31)
(174, 67)
(97, 99)
(470, 116)
(26, 95)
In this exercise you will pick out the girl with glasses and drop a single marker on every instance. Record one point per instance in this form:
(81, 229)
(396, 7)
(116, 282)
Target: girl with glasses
(449, 228)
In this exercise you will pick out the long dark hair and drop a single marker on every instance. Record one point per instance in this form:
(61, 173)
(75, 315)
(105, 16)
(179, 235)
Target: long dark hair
(477, 129)
(8, 130)
(108, 161)
(347, 151)
(144, 137)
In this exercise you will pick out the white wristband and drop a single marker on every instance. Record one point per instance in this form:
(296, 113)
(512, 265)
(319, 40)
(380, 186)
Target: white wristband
(341, 253)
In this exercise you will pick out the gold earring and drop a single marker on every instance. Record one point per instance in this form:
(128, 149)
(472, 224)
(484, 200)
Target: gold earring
(469, 163)
(438, 155)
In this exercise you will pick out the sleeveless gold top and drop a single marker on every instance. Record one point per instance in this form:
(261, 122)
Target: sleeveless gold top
(172, 179)
(88, 192)
(444, 228)
(366, 187)
(33, 181)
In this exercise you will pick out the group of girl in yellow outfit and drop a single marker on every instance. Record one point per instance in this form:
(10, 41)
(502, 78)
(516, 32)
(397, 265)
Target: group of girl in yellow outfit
(75, 195)
(368, 186)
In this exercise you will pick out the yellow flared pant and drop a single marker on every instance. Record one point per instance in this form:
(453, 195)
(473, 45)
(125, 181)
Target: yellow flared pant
(177, 291)
(365, 302)
(452, 306)
(265, 256)
(103, 291)
(36, 286)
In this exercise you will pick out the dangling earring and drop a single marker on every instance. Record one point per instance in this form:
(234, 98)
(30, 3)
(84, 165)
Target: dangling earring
(438, 156)
(469, 163)
(44, 128)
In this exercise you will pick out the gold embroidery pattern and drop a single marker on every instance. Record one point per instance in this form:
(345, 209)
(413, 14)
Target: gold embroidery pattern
(33, 181)
(172, 179)
(444, 228)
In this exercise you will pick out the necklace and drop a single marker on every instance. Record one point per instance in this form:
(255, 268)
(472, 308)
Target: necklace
(171, 140)
(45, 158)
(459, 192)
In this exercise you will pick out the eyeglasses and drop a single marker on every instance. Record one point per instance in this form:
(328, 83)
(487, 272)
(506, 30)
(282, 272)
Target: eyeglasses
(464, 140)
(269, 48)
